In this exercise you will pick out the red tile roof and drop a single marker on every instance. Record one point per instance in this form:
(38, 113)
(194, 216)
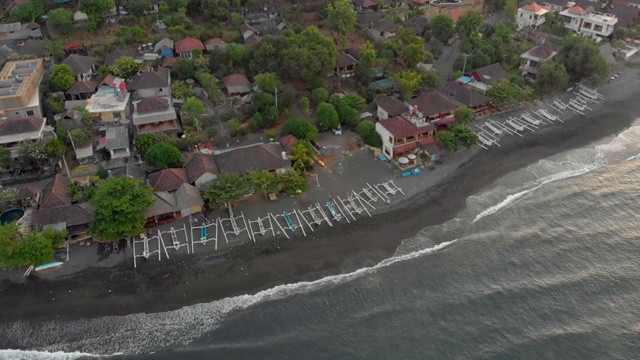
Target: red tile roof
(434, 103)
(404, 148)
(54, 197)
(534, 8)
(235, 80)
(577, 10)
(82, 87)
(168, 179)
(399, 127)
(216, 41)
(152, 104)
(288, 141)
(188, 44)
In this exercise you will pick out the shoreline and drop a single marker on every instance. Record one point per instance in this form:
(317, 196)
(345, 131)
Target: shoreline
(249, 268)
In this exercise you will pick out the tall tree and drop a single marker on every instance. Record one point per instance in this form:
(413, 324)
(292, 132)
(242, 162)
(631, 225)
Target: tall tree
(552, 77)
(163, 155)
(464, 115)
(510, 10)
(138, 7)
(300, 128)
(442, 27)
(583, 61)
(263, 182)
(268, 82)
(119, 203)
(125, 67)
(311, 55)
(301, 156)
(409, 82)
(466, 135)
(96, 8)
(32, 154)
(449, 140)
(504, 92)
(327, 117)
(341, 18)
(193, 109)
(292, 181)
(60, 21)
(468, 24)
(227, 188)
(62, 77)
(28, 12)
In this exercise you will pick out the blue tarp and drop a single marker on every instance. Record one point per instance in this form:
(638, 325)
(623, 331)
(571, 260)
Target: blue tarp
(464, 79)
(166, 53)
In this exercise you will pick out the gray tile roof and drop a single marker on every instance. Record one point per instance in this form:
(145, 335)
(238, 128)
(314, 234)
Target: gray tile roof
(79, 63)
(117, 137)
(256, 157)
(150, 80)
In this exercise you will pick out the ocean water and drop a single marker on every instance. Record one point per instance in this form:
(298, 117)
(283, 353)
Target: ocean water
(545, 265)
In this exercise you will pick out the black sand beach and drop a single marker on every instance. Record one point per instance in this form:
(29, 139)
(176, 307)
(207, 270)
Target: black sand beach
(247, 268)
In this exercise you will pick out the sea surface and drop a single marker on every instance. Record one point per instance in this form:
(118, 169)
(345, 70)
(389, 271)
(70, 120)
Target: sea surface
(545, 265)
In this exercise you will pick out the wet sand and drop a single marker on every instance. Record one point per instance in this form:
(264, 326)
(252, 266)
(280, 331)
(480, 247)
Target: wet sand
(250, 268)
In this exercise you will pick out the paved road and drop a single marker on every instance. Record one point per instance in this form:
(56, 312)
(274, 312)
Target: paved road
(444, 65)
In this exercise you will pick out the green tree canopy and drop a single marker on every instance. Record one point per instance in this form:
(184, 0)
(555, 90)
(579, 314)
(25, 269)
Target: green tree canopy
(442, 27)
(55, 148)
(180, 90)
(227, 188)
(311, 55)
(60, 21)
(301, 156)
(583, 61)
(32, 154)
(409, 82)
(119, 203)
(33, 249)
(263, 182)
(327, 117)
(464, 115)
(5, 156)
(235, 127)
(292, 181)
(96, 7)
(163, 155)
(468, 24)
(552, 77)
(300, 128)
(449, 140)
(367, 131)
(319, 95)
(193, 109)
(341, 18)
(505, 92)
(138, 7)
(126, 66)
(466, 135)
(268, 82)
(29, 11)
(145, 142)
(62, 77)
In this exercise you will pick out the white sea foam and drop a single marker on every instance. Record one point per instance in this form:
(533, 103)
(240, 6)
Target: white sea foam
(514, 198)
(143, 333)
(42, 355)
(575, 163)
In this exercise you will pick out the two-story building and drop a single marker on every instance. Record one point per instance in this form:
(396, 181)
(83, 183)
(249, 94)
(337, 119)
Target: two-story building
(110, 104)
(389, 106)
(435, 107)
(591, 24)
(155, 114)
(84, 67)
(483, 78)
(402, 134)
(533, 58)
(531, 15)
(13, 132)
(19, 84)
(155, 83)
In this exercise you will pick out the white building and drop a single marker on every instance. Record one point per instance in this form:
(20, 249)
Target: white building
(531, 15)
(591, 24)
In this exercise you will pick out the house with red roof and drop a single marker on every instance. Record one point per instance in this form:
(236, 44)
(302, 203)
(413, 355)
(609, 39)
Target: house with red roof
(531, 15)
(186, 47)
(237, 84)
(415, 128)
(174, 197)
(533, 58)
(215, 43)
